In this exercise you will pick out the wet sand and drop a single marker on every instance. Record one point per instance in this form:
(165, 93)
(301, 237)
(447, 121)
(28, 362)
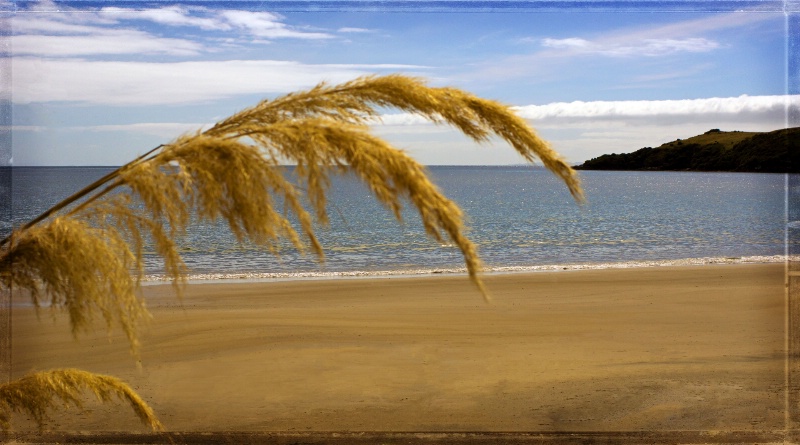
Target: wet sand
(669, 348)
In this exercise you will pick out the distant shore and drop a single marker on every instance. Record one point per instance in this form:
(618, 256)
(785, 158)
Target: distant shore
(713, 151)
(659, 348)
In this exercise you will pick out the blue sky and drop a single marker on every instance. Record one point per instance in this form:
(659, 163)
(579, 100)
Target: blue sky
(97, 83)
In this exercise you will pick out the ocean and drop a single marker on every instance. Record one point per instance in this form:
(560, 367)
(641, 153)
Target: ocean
(521, 218)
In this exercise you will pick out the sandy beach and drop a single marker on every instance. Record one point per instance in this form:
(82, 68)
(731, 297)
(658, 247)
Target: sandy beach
(664, 348)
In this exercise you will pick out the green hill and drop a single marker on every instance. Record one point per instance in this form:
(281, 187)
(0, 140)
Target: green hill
(736, 151)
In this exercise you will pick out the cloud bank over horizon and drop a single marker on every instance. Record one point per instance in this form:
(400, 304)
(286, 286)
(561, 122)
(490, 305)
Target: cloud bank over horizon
(744, 107)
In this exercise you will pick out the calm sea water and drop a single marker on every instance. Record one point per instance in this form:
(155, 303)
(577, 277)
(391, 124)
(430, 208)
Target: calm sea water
(520, 218)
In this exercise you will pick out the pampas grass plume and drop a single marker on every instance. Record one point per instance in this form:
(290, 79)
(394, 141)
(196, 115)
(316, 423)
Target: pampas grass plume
(86, 255)
(36, 393)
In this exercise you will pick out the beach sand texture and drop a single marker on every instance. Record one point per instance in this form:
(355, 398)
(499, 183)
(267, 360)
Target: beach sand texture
(670, 348)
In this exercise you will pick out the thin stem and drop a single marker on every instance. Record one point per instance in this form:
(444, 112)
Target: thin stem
(94, 197)
(78, 195)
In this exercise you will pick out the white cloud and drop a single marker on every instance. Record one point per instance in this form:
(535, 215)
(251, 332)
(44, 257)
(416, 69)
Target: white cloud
(48, 29)
(599, 113)
(689, 109)
(102, 43)
(570, 43)
(169, 15)
(142, 83)
(353, 30)
(267, 25)
(68, 34)
(165, 130)
(557, 56)
(48, 23)
(45, 6)
(645, 47)
(683, 36)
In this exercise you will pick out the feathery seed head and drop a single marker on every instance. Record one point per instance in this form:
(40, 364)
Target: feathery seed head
(231, 171)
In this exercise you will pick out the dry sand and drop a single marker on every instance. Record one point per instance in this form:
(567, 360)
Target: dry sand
(673, 348)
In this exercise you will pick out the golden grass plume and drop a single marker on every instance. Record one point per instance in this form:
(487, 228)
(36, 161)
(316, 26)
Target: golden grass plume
(36, 393)
(231, 171)
(86, 254)
(81, 269)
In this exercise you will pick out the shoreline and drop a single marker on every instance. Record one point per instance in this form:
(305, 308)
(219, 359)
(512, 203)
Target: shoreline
(258, 277)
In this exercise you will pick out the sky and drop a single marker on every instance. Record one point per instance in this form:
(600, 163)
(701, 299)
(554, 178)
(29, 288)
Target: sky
(97, 83)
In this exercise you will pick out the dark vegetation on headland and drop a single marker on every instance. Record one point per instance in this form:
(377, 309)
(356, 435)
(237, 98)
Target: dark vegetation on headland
(734, 151)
